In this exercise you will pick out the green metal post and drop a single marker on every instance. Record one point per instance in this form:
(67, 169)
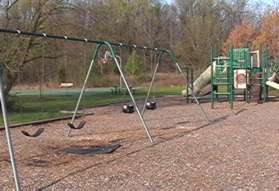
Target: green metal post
(192, 79)
(231, 78)
(267, 65)
(249, 73)
(212, 79)
(187, 86)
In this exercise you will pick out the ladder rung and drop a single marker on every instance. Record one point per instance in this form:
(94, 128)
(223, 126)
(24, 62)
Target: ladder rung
(220, 66)
(221, 83)
(221, 93)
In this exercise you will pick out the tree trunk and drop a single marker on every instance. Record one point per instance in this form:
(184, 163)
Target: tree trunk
(9, 80)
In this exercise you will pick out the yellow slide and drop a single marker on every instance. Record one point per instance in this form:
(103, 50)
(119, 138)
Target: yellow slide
(272, 82)
(202, 81)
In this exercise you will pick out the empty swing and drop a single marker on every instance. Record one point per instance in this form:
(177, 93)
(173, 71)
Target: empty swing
(39, 131)
(151, 104)
(129, 108)
(35, 134)
(82, 123)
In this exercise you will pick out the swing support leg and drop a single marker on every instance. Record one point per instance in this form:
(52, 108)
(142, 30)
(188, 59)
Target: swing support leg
(129, 91)
(183, 75)
(193, 94)
(8, 134)
(92, 64)
(151, 85)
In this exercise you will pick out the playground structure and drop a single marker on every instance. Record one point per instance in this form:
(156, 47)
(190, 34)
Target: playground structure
(244, 72)
(111, 52)
(222, 72)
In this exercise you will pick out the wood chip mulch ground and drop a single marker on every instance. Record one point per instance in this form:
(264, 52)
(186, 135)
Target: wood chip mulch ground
(237, 150)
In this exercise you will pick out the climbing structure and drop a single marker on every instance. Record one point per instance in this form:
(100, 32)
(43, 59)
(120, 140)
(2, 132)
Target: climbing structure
(221, 80)
(243, 72)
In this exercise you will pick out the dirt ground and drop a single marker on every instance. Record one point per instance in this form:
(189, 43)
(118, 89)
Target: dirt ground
(237, 150)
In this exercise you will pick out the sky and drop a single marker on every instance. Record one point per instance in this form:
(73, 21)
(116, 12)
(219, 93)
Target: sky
(265, 1)
(168, 1)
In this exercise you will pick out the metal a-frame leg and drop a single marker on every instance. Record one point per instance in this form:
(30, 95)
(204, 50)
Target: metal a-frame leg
(150, 86)
(193, 94)
(189, 86)
(129, 91)
(124, 80)
(8, 135)
(92, 64)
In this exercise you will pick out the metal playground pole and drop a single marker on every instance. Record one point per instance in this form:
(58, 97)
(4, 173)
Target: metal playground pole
(130, 93)
(7, 131)
(173, 57)
(151, 83)
(193, 94)
(112, 54)
(92, 64)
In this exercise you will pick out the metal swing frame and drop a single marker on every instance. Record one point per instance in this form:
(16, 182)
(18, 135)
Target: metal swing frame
(7, 131)
(99, 44)
(185, 76)
(140, 113)
(91, 68)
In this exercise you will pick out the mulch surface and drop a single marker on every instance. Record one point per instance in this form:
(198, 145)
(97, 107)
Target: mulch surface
(239, 149)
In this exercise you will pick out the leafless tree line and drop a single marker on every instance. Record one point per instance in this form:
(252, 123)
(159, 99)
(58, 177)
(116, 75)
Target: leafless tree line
(189, 27)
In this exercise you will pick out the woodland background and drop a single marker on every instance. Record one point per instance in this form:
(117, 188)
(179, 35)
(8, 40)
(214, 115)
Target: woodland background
(189, 27)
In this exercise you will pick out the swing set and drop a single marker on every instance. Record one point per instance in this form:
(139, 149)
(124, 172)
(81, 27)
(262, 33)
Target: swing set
(111, 53)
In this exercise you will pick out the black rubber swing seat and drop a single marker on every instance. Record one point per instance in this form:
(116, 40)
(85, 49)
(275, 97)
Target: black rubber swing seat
(36, 134)
(151, 105)
(80, 126)
(128, 108)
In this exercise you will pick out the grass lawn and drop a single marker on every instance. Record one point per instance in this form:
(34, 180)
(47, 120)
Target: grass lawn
(29, 106)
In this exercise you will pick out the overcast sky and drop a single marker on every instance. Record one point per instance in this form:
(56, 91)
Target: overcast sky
(262, 1)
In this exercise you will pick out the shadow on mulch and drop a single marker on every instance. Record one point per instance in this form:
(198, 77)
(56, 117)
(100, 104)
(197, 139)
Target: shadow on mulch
(240, 111)
(38, 163)
(91, 150)
(223, 118)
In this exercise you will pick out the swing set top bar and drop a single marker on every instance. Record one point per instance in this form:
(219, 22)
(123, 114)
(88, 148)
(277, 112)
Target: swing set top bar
(44, 35)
